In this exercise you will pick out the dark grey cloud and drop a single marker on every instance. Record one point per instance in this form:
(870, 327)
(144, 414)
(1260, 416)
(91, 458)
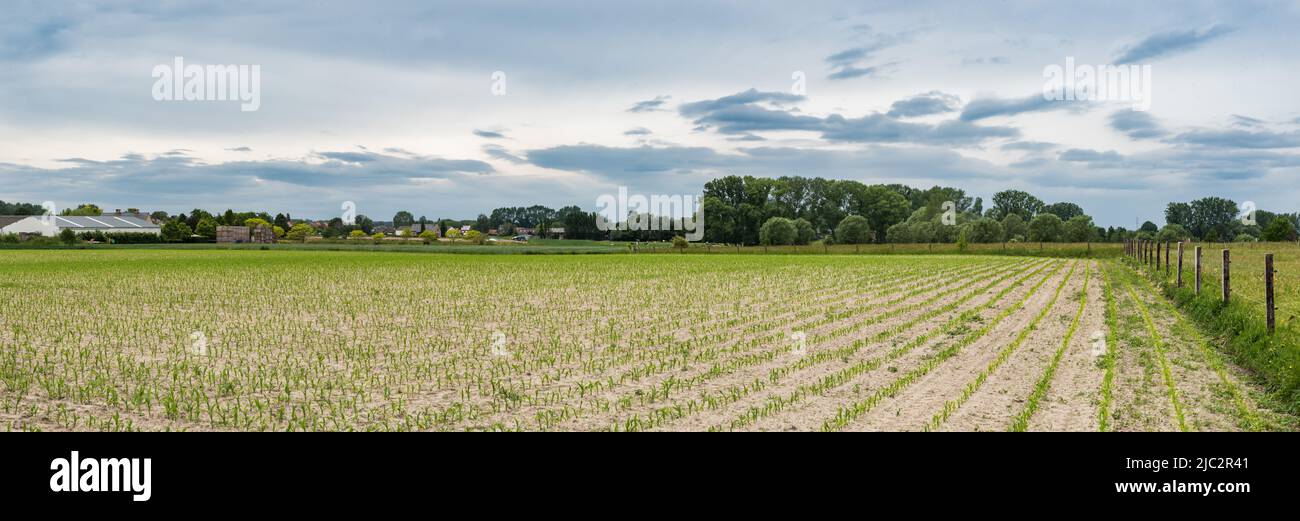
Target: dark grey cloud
(983, 108)
(852, 62)
(848, 72)
(239, 149)
(748, 97)
(641, 160)
(639, 131)
(1167, 43)
(1137, 124)
(1240, 138)
(499, 152)
(933, 102)
(879, 128)
(741, 114)
(649, 105)
(489, 134)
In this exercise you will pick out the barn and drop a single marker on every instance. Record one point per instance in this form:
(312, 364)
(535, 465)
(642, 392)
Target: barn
(51, 225)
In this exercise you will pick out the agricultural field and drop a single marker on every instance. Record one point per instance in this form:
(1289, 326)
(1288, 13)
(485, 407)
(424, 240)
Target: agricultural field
(320, 340)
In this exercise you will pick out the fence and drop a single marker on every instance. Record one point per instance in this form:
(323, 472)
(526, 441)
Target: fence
(1257, 291)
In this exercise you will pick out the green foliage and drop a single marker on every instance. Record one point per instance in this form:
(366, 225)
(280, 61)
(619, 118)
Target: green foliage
(206, 227)
(1064, 210)
(853, 229)
(300, 232)
(1279, 230)
(804, 233)
(1173, 233)
(680, 243)
(68, 236)
(1080, 229)
(403, 218)
(254, 222)
(355, 234)
(1008, 202)
(778, 231)
(1046, 228)
(984, 230)
(428, 236)
(1014, 228)
(176, 230)
(86, 209)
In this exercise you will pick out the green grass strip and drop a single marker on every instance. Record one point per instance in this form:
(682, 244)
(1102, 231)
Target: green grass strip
(1164, 360)
(1248, 418)
(974, 386)
(1108, 379)
(1021, 423)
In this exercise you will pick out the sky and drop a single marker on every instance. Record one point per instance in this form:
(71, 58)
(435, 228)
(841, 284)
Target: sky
(451, 109)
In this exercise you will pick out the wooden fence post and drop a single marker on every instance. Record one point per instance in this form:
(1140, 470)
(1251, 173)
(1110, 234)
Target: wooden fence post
(1198, 270)
(1227, 277)
(1158, 256)
(1268, 291)
(1180, 264)
(1167, 260)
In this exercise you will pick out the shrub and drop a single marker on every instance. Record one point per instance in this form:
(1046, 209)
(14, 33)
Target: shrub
(778, 231)
(1280, 229)
(300, 232)
(1173, 233)
(1046, 228)
(803, 231)
(984, 231)
(853, 229)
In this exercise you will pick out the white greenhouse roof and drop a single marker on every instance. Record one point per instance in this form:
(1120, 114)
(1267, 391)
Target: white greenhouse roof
(102, 222)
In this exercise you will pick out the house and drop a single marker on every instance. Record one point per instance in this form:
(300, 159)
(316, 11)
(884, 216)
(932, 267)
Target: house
(555, 232)
(52, 225)
(418, 228)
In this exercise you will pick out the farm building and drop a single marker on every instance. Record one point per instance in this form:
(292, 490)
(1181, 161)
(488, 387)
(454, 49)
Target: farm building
(51, 225)
(241, 234)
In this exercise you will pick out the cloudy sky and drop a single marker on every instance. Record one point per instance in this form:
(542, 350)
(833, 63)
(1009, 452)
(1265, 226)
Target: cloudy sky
(452, 109)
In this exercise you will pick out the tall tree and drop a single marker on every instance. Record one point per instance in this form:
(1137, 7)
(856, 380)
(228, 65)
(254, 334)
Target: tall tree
(1212, 214)
(1064, 210)
(403, 218)
(1017, 202)
(1178, 213)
